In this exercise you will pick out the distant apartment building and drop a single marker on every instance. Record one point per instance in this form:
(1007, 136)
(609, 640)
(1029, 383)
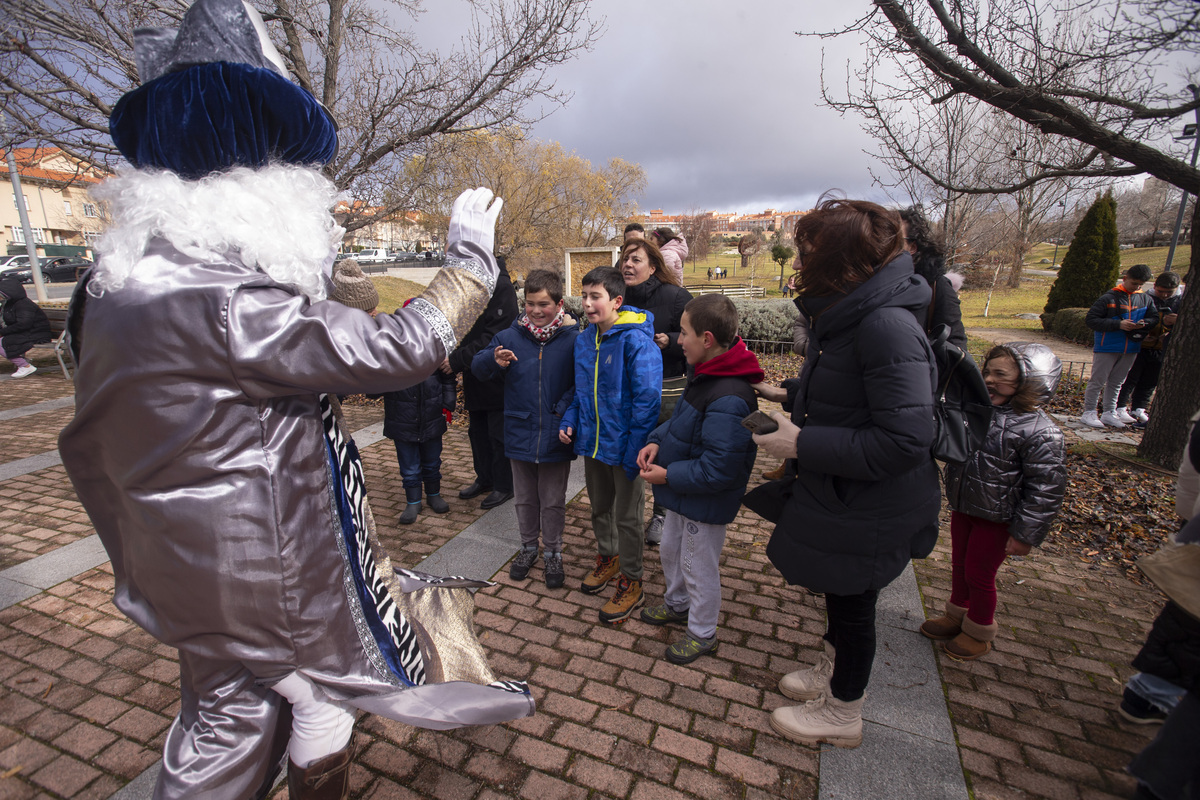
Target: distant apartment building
(63, 218)
(726, 224)
(400, 231)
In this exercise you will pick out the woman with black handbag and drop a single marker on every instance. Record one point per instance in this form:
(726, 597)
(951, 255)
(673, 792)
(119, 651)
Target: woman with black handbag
(865, 498)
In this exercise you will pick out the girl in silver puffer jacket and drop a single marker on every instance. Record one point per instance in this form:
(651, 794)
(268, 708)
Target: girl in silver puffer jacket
(1004, 497)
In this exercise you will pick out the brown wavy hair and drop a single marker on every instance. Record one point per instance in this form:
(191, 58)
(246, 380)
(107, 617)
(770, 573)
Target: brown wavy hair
(842, 243)
(656, 259)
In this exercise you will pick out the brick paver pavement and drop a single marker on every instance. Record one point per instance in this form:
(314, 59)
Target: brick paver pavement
(87, 696)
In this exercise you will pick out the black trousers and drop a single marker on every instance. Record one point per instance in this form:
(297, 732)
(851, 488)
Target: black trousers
(486, 433)
(1141, 380)
(851, 631)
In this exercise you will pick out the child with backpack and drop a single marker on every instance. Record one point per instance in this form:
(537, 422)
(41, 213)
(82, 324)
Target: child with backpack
(1004, 496)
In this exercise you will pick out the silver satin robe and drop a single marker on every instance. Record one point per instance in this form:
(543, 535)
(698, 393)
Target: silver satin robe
(199, 450)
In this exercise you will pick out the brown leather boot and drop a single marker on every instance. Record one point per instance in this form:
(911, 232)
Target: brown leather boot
(945, 627)
(326, 778)
(974, 642)
(775, 474)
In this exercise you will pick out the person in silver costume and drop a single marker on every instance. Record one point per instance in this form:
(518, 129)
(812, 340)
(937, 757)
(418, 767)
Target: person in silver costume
(204, 444)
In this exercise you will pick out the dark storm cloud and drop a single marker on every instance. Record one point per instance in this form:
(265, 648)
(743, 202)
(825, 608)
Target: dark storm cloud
(720, 104)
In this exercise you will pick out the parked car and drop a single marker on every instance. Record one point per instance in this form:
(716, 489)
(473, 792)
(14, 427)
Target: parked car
(61, 269)
(9, 262)
(378, 255)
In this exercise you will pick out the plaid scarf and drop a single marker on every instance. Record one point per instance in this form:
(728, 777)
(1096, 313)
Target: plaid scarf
(543, 334)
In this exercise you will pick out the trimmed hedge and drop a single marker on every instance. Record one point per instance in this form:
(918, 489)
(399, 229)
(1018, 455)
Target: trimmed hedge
(1069, 324)
(759, 320)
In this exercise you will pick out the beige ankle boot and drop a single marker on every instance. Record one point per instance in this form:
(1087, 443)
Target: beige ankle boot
(825, 719)
(946, 626)
(807, 684)
(974, 642)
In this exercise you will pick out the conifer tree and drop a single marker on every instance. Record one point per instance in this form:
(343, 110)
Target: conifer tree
(1093, 261)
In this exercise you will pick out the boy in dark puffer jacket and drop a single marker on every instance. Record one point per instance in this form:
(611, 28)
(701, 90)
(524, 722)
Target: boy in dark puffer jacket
(698, 462)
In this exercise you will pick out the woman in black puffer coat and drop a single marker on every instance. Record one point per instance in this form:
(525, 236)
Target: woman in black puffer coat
(24, 325)
(865, 498)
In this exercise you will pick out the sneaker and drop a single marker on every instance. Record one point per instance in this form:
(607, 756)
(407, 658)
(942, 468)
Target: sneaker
(811, 683)
(1111, 419)
(663, 615)
(654, 529)
(689, 648)
(1138, 710)
(1140, 415)
(28, 369)
(606, 569)
(627, 599)
(552, 569)
(519, 570)
(1091, 419)
(1125, 416)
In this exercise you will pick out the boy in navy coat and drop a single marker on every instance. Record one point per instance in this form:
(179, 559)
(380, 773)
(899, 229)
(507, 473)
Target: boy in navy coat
(699, 461)
(535, 356)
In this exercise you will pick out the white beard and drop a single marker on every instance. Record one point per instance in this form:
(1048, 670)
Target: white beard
(278, 218)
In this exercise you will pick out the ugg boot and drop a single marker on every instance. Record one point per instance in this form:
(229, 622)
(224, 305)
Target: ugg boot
(413, 508)
(433, 496)
(974, 641)
(945, 627)
(825, 719)
(327, 778)
(808, 684)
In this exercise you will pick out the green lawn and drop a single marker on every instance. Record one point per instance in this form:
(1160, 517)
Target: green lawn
(1029, 298)
(394, 291)
(1154, 257)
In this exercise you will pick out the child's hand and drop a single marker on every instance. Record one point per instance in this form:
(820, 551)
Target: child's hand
(1015, 548)
(566, 435)
(504, 357)
(646, 456)
(652, 473)
(662, 340)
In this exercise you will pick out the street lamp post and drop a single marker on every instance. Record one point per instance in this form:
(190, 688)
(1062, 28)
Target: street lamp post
(1062, 211)
(1189, 132)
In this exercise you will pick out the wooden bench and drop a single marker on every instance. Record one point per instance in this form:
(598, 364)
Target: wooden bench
(58, 342)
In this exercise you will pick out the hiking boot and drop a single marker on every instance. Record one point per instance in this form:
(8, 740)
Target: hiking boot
(1138, 710)
(552, 569)
(690, 647)
(825, 719)
(810, 683)
(775, 474)
(1125, 416)
(663, 615)
(606, 569)
(1111, 419)
(519, 570)
(28, 369)
(1140, 415)
(627, 599)
(945, 627)
(654, 529)
(1091, 419)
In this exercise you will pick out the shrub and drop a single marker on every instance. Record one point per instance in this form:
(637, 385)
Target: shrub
(1069, 324)
(1093, 261)
(765, 320)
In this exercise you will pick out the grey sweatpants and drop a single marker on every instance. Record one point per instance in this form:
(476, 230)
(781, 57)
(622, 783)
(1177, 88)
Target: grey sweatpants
(617, 512)
(541, 501)
(1108, 373)
(691, 554)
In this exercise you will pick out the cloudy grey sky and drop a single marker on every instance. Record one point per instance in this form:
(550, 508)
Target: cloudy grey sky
(719, 102)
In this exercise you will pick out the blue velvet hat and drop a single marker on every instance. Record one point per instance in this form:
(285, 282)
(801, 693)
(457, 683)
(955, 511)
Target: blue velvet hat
(215, 94)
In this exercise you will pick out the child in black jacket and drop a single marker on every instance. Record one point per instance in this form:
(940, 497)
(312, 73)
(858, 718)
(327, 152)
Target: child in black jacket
(22, 325)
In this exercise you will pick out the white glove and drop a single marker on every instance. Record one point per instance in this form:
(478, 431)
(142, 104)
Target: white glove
(780, 443)
(471, 220)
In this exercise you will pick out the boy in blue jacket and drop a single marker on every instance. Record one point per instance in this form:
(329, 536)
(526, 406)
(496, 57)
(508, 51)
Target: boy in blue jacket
(1121, 318)
(618, 386)
(535, 356)
(699, 461)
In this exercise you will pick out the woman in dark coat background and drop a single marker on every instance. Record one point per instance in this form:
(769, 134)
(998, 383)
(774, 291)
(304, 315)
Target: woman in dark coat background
(651, 286)
(24, 325)
(929, 263)
(865, 498)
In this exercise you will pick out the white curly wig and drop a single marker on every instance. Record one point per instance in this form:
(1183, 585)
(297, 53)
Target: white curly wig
(278, 218)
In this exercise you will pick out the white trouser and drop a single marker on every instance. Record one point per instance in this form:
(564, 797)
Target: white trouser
(320, 726)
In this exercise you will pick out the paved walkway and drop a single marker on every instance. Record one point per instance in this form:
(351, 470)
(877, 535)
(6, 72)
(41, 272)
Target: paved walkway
(86, 696)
